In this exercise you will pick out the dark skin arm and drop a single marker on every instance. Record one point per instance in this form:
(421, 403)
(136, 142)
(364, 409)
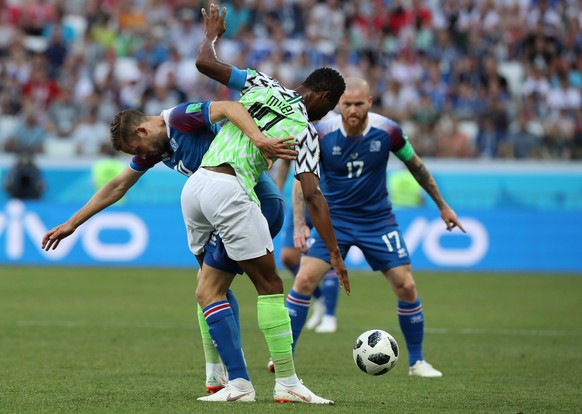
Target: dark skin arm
(207, 61)
(426, 181)
(313, 199)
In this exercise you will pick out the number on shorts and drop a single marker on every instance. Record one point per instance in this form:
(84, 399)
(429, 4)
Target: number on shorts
(392, 235)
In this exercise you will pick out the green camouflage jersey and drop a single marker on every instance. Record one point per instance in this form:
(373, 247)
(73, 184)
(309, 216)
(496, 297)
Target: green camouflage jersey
(279, 112)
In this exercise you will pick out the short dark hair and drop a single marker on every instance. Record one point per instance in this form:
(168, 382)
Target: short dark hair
(326, 80)
(122, 128)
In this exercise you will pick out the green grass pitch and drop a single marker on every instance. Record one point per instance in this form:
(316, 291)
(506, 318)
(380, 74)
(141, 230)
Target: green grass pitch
(110, 340)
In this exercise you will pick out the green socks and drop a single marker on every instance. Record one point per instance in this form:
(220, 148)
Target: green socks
(275, 323)
(210, 352)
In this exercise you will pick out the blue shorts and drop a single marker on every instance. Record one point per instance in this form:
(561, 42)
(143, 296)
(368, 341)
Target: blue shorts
(287, 234)
(383, 246)
(215, 254)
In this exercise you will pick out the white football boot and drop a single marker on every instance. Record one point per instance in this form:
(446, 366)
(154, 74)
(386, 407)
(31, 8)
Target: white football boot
(237, 390)
(297, 393)
(424, 369)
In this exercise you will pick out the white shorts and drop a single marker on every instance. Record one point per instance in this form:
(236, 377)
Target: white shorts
(214, 201)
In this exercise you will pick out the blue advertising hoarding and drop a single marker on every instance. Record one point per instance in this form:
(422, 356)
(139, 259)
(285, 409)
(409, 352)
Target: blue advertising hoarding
(154, 236)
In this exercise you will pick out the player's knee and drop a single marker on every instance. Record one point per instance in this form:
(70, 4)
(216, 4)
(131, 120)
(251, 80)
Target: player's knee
(269, 286)
(202, 297)
(407, 291)
(304, 283)
(290, 258)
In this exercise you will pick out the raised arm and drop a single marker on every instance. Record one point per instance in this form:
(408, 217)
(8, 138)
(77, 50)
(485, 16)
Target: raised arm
(237, 114)
(428, 183)
(319, 215)
(103, 198)
(207, 61)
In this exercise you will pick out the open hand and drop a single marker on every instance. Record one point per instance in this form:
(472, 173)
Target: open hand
(214, 23)
(277, 148)
(53, 237)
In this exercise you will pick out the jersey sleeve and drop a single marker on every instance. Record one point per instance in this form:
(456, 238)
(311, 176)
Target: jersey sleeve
(307, 152)
(140, 164)
(238, 78)
(190, 116)
(401, 147)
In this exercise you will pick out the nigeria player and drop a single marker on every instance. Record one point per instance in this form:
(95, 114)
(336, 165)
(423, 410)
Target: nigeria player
(179, 137)
(355, 147)
(220, 197)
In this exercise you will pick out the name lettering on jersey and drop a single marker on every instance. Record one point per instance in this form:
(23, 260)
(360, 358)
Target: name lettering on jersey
(336, 150)
(375, 146)
(283, 106)
(174, 144)
(354, 155)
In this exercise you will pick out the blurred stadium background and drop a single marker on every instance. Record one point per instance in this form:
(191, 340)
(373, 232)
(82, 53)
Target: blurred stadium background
(489, 93)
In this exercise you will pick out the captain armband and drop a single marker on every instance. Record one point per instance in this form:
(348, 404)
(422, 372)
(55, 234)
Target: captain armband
(405, 153)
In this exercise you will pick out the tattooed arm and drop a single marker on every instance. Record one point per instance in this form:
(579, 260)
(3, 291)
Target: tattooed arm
(426, 181)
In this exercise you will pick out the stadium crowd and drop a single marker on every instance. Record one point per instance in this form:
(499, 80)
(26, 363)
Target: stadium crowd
(465, 78)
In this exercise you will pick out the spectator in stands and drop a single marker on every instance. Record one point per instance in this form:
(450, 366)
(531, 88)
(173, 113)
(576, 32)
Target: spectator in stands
(451, 141)
(464, 41)
(159, 98)
(465, 102)
(185, 34)
(90, 135)
(63, 114)
(28, 137)
(56, 52)
(577, 139)
(40, 89)
(35, 15)
(525, 139)
(489, 138)
(152, 51)
(559, 130)
(563, 95)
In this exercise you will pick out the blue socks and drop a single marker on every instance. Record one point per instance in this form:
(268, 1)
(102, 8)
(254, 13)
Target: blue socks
(298, 307)
(225, 333)
(411, 321)
(234, 306)
(330, 292)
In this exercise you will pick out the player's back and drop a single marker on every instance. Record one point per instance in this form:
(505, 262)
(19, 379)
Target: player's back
(278, 111)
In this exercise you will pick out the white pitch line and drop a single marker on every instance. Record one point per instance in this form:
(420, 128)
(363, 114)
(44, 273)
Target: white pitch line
(171, 325)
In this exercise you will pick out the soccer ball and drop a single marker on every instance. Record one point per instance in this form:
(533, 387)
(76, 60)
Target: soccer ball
(375, 352)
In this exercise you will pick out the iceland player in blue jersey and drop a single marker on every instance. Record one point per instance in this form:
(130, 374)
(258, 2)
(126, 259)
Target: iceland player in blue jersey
(355, 147)
(179, 138)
